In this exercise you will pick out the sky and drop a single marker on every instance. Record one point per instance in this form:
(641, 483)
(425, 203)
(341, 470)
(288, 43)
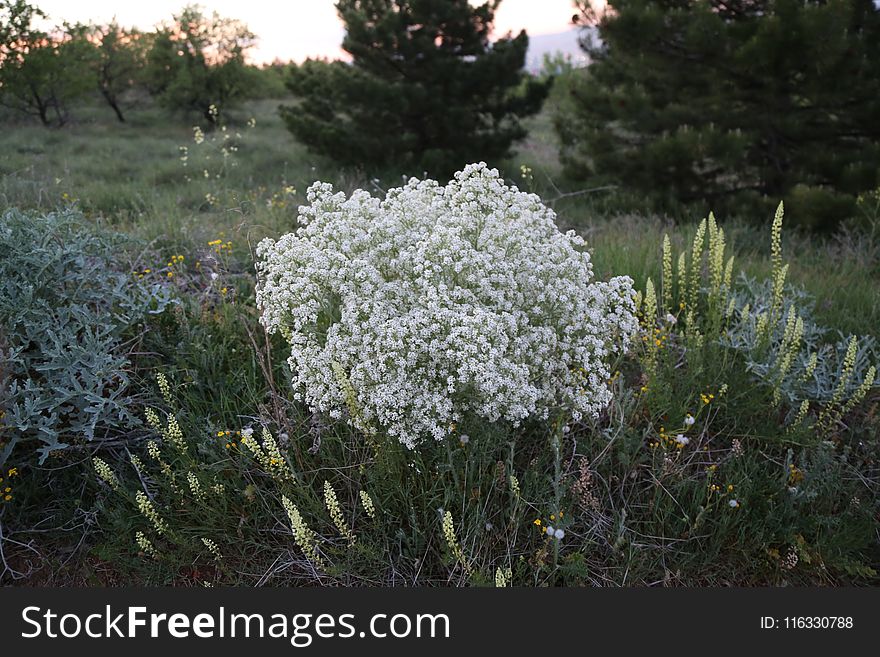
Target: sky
(294, 29)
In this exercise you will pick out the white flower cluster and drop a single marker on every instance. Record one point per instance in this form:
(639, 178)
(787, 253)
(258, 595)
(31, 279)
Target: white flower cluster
(440, 303)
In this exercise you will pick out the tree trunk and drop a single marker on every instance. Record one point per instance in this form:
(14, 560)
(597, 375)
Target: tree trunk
(60, 113)
(118, 111)
(43, 112)
(112, 102)
(41, 106)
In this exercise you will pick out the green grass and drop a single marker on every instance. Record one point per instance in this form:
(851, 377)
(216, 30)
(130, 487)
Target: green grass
(635, 514)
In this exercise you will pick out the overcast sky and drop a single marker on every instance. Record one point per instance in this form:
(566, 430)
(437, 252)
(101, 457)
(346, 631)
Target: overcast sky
(294, 29)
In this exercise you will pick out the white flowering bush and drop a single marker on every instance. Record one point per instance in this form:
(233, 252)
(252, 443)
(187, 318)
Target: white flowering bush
(438, 304)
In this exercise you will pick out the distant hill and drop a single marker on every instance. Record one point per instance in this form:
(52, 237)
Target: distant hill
(548, 44)
(564, 42)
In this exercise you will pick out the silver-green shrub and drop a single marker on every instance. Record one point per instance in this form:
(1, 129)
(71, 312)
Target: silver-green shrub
(816, 366)
(66, 305)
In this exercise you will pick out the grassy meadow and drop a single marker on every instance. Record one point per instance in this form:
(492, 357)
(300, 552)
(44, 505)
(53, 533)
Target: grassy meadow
(759, 494)
(129, 176)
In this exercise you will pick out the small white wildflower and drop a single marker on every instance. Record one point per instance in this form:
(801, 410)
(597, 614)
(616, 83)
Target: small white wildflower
(145, 545)
(671, 319)
(733, 504)
(503, 577)
(269, 456)
(105, 473)
(550, 531)
(164, 387)
(173, 433)
(452, 541)
(689, 420)
(247, 432)
(214, 276)
(331, 501)
(559, 534)
(212, 548)
(153, 450)
(464, 439)
(305, 538)
(145, 506)
(367, 503)
(195, 487)
(153, 420)
(681, 439)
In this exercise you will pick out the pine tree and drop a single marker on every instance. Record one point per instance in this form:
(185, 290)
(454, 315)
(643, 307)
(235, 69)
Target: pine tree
(425, 90)
(734, 103)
